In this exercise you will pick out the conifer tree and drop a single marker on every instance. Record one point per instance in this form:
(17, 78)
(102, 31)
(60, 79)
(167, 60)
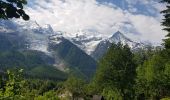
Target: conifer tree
(166, 23)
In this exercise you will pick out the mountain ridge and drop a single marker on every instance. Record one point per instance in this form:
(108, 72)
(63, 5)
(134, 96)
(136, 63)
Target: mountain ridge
(86, 40)
(53, 44)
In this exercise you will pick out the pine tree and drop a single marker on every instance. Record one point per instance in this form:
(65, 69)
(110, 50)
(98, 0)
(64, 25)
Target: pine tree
(166, 23)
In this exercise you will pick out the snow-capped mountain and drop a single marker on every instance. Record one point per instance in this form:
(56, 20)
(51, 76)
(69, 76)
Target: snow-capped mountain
(86, 42)
(56, 38)
(120, 37)
(76, 50)
(64, 53)
(94, 43)
(89, 41)
(38, 37)
(117, 37)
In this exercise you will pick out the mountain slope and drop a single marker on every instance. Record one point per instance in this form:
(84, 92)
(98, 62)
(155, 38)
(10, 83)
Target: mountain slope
(74, 52)
(86, 40)
(43, 47)
(73, 56)
(117, 37)
(120, 37)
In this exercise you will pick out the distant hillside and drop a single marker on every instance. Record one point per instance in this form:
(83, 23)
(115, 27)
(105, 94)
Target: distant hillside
(35, 63)
(74, 57)
(40, 52)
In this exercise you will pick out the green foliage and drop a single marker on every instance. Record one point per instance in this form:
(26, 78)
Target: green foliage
(75, 86)
(111, 94)
(116, 72)
(114, 79)
(47, 72)
(13, 85)
(13, 9)
(141, 55)
(165, 99)
(50, 95)
(33, 62)
(166, 23)
(153, 78)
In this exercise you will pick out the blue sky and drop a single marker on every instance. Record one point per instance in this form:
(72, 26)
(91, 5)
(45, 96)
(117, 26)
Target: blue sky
(138, 19)
(142, 8)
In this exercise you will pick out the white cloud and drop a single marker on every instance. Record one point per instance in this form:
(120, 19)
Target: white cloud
(74, 15)
(148, 27)
(153, 6)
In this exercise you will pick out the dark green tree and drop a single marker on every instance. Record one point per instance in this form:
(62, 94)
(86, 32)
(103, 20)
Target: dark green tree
(166, 23)
(13, 9)
(116, 73)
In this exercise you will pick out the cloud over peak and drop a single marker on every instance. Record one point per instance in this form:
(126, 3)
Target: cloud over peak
(74, 15)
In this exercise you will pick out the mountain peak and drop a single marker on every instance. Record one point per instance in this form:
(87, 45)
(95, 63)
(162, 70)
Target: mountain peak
(118, 34)
(119, 37)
